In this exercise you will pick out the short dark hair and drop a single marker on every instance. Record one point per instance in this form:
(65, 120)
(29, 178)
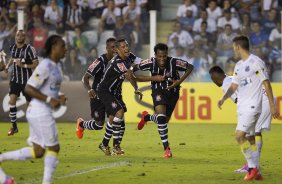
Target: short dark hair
(119, 41)
(216, 69)
(160, 46)
(242, 41)
(111, 39)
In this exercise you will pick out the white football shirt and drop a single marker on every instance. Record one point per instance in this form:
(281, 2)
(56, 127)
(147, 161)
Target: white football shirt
(47, 78)
(249, 75)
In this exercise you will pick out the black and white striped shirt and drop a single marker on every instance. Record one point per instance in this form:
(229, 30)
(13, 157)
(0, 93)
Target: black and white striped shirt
(26, 54)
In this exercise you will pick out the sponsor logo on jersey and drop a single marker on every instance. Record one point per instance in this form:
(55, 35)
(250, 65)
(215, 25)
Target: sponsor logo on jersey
(144, 62)
(180, 63)
(93, 65)
(121, 67)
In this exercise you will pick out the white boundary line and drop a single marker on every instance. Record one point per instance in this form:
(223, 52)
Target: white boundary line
(75, 173)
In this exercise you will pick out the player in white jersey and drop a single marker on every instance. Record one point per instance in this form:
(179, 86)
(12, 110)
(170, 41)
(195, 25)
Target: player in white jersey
(264, 122)
(250, 74)
(43, 86)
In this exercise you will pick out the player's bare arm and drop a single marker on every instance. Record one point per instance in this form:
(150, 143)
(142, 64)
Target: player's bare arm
(268, 90)
(233, 87)
(23, 65)
(142, 78)
(86, 83)
(182, 78)
(35, 93)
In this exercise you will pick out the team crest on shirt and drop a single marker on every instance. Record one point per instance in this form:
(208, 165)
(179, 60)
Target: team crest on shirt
(158, 98)
(121, 67)
(96, 114)
(247, 69)
(114, 105)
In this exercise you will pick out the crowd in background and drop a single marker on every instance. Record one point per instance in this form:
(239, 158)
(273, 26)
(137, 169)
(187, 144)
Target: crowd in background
(202, 31)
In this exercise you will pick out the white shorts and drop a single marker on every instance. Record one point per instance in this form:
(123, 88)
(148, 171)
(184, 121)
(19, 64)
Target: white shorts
(42, 127)
(247, 122)
(264, 121)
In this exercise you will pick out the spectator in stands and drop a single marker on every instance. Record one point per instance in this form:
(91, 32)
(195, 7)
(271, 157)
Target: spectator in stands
(73, 64)
(267, 5)
(92, 55)
(225, 41)
(204, 17)
(120, 3)
(228, 19)
(80, 42)
(36, 13)
(108, 19)
(258, 37)
(205, 39)
(53, 15)
(187, 22)
(275, 34)
(38, 35)
(269, 21)
(275, 56)
(187, 4)
(3, 15)
(226, 5)
(4, 33)
(73, 14)
(245, 28)
(131, 15)
(251, 7)
(179, 37)
(180, 53)
(12, 12)
(91, 8)
(213, 10)
(121, 31)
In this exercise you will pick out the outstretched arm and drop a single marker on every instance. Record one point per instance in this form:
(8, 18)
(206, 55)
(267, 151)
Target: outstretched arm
(228, 94)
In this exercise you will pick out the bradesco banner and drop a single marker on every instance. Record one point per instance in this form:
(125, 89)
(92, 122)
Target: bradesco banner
(197, 104)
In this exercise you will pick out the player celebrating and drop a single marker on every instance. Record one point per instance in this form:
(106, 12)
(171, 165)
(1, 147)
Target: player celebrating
(43, 86)
(264, 122)
(96, 70)
(23, 59)
(250, 74)
(110, 86)
(165, 94)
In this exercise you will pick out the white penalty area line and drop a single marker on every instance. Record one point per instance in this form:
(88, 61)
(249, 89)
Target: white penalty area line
(116, 164)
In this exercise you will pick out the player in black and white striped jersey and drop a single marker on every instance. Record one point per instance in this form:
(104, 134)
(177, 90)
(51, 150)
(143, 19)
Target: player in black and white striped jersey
(23, 60)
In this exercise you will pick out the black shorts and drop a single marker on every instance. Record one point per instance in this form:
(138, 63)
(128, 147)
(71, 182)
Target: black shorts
(16, 89)
(97, 109)
(111, 103)
(167, 98)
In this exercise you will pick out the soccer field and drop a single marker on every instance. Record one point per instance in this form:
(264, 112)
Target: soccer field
(202, 153)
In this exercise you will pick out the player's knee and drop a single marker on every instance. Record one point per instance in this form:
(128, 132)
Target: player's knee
(161, 119)
(39, 152)
(117, 120)
(55, 148)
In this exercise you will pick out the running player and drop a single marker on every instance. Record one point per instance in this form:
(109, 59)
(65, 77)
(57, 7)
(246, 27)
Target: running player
(264, 122)
(250, 74)
(24, 60)
(43, 86)
(110, 86)
(165, 94)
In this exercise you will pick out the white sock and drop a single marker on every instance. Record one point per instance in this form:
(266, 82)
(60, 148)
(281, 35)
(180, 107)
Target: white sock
(256, 156)
(50, 164)
(2, 175)
(21, 154)
(248, 155)
(259, 143)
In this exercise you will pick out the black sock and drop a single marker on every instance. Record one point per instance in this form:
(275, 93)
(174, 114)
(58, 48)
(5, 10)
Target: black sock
(91, 125)
(116, 130)
(13, 116)
(108, 134)
(121, 132)
(163, 130)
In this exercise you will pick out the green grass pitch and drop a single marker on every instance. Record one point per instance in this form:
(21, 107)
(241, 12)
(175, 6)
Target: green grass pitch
(202, 153)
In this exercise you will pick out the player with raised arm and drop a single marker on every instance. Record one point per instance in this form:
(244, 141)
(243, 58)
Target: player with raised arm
(43, 86)
(250, 74)
(23, 60)
(165, 93)
(264, 122)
